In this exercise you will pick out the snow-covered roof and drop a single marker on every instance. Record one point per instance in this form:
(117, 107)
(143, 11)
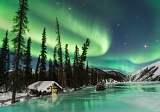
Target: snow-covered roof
(43, 85)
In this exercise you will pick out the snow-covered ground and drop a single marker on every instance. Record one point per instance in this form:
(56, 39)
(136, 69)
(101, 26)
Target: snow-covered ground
(5, 98)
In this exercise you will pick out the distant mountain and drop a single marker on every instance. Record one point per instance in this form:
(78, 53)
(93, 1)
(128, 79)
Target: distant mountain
(148, 73)
(112, 75)
(116, 75)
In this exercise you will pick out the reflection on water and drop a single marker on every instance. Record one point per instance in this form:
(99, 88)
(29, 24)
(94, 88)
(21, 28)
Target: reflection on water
(146, 87)
(54, 97)
(127, 97)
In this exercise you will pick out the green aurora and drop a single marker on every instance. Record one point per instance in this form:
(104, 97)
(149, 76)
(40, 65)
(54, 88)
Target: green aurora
(123, 37)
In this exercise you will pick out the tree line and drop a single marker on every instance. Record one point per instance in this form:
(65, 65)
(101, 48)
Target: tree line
(60, 68)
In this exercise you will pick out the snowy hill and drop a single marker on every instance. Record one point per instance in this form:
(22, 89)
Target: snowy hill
(148, 73)
(112, 75)
(116, 75)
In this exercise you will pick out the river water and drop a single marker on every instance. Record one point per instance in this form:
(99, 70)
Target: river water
(122, 97)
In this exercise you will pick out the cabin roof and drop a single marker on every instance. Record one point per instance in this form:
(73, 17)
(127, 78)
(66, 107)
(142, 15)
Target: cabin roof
(43, 85)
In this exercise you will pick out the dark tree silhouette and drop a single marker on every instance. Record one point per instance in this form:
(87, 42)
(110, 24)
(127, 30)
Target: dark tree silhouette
(27, 63)
(87, 75)
(42, 73)
(76, 81)
(81, 63)
(84, 51)
(95, 78)
(37, 68)
(55, 65)
(59, 50)
(4, 62)
(50, 71)
(19, 28)
(67, 68)
(92, 77)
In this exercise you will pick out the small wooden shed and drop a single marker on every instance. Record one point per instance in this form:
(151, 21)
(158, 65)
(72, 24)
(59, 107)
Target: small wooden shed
(42, 88)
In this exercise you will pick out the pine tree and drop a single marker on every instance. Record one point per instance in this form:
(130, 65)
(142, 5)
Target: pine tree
(84, 51)
(87, 75)
(55, 66)
(59, 46)
(50, 71)
(70, 75)
(37, 68)
(76, 80)
(4, 58)
(82, 60)
(27, 62)
(43, 74)
(19, 28)
(67, 68)
(7, 73)
(92, 77)
(95, 78)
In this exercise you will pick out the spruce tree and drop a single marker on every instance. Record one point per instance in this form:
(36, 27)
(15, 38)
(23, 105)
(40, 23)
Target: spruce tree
(55, 65)
(43, 74)
(59, 50)
(67, 68)
(27, 63)
(37, 68)
(76, 71)
(50, 71)
(95, 78)
(4, 58)
(70, 75)
(84, 51)
(82, 60)
(92, 77)
(8, 68)
(87, 75)
(19, 28)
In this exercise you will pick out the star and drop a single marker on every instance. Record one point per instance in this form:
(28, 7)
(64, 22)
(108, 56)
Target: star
(117, 24)
(145, 46)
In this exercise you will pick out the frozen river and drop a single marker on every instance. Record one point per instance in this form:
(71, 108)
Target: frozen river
(127, 97)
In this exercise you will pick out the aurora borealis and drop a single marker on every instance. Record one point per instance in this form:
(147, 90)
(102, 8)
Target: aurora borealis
(124, 34)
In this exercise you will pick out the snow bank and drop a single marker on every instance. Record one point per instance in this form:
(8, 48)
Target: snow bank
(5, 98)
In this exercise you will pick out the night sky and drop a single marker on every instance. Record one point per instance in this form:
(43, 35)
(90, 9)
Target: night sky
(124, 34)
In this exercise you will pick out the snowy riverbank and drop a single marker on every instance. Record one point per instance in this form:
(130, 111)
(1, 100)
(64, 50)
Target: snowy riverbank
(5, 98)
